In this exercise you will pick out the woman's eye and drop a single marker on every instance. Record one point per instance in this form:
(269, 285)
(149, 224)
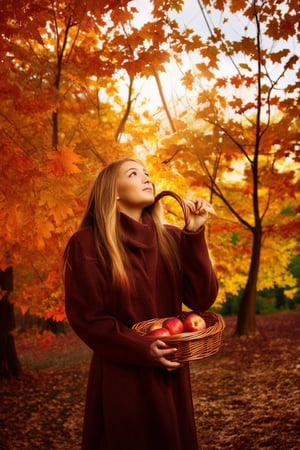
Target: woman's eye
(132, 174)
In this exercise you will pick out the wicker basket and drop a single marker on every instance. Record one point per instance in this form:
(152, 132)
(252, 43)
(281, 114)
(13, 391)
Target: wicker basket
(196, 345)
(191, 346)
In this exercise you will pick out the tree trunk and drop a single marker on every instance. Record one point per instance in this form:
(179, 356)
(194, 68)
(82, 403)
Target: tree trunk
(246, 321)
(55, 130)
(9, 362)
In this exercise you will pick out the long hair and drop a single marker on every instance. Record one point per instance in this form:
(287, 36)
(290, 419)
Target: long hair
(103, 216)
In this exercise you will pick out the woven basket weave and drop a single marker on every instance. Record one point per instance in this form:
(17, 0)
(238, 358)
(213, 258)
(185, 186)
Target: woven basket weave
(190, 346)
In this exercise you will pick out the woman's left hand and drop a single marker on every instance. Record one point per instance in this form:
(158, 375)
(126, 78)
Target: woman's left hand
(200, 211)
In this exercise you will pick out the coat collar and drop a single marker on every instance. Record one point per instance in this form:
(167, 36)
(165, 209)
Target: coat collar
(137, 234)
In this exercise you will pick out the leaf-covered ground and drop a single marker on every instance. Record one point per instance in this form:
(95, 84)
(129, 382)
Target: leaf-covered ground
(246, 397)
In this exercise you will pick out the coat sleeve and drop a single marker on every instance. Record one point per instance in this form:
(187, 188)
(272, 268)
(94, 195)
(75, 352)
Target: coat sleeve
(85, 291)
(200, 284)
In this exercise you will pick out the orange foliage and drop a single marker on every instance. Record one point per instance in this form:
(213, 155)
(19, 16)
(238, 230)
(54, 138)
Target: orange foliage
(63, 160)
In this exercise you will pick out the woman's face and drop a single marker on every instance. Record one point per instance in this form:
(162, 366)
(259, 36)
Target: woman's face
(134, 189)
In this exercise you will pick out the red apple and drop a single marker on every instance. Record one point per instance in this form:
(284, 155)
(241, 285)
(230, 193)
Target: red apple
(194, 322)
(155, 325)
(159, 332)
(174, 325)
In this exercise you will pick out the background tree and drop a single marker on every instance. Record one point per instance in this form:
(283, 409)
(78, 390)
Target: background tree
(9, 362)
(253, 117)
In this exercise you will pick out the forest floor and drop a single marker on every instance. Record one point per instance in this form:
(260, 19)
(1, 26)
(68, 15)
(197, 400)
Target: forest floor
(246, 397)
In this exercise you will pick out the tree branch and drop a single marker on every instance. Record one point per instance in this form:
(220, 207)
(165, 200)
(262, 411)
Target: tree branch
(121, 126)
(163, 100)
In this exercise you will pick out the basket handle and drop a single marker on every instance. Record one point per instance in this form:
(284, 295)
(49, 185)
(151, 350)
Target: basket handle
(185, 209)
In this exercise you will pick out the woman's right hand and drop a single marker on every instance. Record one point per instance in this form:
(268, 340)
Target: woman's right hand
(161, 353)
(200, 212)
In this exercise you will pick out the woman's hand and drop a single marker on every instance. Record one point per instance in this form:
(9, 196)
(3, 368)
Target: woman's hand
(200, 211)
(161, 353)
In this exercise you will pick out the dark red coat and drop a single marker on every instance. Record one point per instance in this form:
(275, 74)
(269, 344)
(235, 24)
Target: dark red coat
(131, 403)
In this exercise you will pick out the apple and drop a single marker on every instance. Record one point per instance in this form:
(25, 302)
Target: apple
(174, 325)
(194, 322)
(155, 325)
(159, 332)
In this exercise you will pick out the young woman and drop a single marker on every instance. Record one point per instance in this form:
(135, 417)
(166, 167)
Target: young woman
(121, 267)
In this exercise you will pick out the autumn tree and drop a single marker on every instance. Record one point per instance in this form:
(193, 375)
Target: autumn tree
(250, 105)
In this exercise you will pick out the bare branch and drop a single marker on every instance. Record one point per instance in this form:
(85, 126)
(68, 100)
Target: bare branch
(163, 99)
(216, 189)
(121, 126)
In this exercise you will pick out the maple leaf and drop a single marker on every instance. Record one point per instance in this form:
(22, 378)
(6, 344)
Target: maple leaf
(221, 82)
(277, 56)
(212, 54)
(120, 15)
(54, 199)
(282, 29)
(248, 81)
(188, 79)
(236, 6)
(247, 45)
(236, 81)
(205, 71)
(236, 103)
(246, 107)
(63, 160)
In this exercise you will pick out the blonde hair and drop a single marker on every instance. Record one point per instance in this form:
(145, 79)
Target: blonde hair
(103, 216)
